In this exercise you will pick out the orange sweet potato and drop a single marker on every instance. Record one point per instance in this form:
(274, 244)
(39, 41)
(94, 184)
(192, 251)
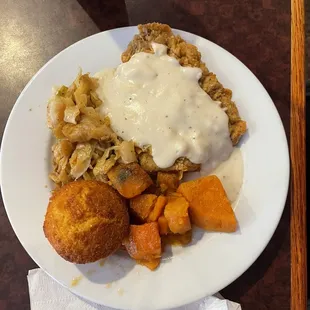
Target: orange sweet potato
(141, 206)
(167, 181)
(143, 242)
(209, 206)
(163, 225)
(158, 209)
(130, 180)
(151, 264)
(177, 239)
(176, 213)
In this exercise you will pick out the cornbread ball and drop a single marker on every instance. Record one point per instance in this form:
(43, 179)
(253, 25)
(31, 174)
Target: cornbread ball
(86, 221)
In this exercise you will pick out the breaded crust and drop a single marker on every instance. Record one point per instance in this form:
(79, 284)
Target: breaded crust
(181, 164)
(86, 221)
(188, 55)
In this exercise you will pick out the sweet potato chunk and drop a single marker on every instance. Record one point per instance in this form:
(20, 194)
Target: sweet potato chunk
(158, 209)
(167, 181)
(209, 206)
(141, 206)
(163, 225)
(177, 239)
(176, 213)
(144, 242)
(151, 264)
(130, 180)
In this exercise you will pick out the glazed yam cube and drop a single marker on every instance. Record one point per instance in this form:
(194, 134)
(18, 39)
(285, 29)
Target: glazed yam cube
(167, 181)
(130, 180)
(163, 226)
(176, 213)
(158, 209)
(177, 239)
(141, 206)
(209, 206)
(151, 264)
(143, 242)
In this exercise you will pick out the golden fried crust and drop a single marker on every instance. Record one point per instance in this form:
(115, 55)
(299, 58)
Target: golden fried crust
(188, 55)
(181, 164)
(86, 221)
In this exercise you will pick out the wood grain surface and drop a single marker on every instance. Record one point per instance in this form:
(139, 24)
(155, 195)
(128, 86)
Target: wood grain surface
(298, 160)
(257, 32)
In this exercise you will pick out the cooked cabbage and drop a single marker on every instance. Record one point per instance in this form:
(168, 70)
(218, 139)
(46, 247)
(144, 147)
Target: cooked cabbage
(62, 151)
(127, 152)
(87, 147)
(71, 113)
(62, 91)
(80, 159)
(55, 112)
(105, 163)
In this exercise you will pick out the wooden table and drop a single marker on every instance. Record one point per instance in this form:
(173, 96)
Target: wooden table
(257, 32)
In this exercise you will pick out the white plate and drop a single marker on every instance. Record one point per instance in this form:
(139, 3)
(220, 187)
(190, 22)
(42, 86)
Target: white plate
(214, 260)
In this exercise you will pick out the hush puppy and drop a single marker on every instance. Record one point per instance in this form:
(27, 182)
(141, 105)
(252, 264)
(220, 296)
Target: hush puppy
(86, 221)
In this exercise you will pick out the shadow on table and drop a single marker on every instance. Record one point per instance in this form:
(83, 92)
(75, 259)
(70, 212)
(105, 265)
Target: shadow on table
(106, 14)
(185, 15)
(116, 13)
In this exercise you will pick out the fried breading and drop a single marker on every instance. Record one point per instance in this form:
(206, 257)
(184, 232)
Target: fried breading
(188, 55)
(86, 221)
(181, 164)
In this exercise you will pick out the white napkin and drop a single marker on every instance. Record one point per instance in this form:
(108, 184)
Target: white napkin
(46, 294)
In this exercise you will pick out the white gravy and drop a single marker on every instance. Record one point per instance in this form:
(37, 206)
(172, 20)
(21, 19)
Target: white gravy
(152, 100)
(230, 172)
